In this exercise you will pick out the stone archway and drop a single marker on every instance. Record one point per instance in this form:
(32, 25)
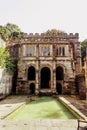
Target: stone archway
(45, 77)
(59, 79)
(59, 73)
(31, 73)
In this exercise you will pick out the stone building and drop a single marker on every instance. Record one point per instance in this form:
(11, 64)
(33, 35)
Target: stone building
(85, 73)
(47, 63)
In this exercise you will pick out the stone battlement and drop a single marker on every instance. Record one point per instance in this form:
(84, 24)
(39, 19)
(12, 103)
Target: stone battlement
(65, 35)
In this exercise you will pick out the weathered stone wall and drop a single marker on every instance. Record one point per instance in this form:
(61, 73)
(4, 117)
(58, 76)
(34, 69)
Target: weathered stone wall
(80, 79)
(5, 83)
(85, 73)
(48, 51)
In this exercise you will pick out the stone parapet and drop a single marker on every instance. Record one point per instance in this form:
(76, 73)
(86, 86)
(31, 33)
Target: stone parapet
(64, 35)
(80, 79)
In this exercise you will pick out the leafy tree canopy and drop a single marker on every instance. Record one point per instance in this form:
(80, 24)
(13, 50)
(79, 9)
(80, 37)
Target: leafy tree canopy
(4, 33)
(12, 27)
(83, 49)
(10, 31)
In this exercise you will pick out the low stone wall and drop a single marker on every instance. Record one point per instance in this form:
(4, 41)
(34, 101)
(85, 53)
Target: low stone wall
(5, 83)
(80, 79)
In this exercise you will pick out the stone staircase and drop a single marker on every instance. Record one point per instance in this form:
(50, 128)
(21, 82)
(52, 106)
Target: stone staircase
(45, 92)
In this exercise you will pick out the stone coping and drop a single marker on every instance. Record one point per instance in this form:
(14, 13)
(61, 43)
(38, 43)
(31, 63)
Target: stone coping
(72, 108)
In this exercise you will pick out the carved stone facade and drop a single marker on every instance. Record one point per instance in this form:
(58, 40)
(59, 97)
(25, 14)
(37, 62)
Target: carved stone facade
(47, 63)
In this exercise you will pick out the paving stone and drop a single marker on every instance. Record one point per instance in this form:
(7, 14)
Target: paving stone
(53, 128)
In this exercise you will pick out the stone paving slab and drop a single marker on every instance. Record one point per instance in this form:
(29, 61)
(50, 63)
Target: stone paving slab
(39, 124)
(10, 104)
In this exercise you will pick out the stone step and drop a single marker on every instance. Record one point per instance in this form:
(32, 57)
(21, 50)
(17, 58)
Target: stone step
(46, 92)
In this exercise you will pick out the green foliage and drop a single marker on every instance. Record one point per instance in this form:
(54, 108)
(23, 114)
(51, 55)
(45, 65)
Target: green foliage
(12, 27)
(10, 65)
(6, 61)
(15, 31)
(4, 33)
(83, 49)
(3, 55)
(54, 32)
(10, 31)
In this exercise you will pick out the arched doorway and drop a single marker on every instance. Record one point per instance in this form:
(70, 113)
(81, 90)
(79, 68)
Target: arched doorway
(59, 79)
(32, 89)
(59, 73)
(31, 73)
(59, 88)
(45, 77)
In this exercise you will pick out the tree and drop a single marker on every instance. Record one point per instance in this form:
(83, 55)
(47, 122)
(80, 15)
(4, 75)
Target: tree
(4, 33)
(6, 61)
(54, 32)
(83, 49)
(10, 31)
(15, 31)
(12, 27)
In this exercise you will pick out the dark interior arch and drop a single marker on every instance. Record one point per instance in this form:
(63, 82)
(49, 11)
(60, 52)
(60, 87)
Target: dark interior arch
(59, 73)
(45, 77)
(31, 73)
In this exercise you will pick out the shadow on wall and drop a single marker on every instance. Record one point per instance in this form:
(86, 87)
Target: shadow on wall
(5, 83)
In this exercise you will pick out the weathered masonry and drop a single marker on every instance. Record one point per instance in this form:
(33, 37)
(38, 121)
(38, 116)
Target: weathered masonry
(47, 63)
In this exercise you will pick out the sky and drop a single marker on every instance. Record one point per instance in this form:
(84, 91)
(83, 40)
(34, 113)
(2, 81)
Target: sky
(38, 16)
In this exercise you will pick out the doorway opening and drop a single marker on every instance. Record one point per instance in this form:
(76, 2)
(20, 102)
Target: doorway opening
(31, 73)
(59, 79)
(59, 88)
(45, 77)
(32, 89)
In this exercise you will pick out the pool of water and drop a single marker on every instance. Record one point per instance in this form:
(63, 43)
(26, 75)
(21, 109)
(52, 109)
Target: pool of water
(42, 108)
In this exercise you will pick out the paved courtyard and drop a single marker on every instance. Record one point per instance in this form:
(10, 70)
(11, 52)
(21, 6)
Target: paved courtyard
(11, 103)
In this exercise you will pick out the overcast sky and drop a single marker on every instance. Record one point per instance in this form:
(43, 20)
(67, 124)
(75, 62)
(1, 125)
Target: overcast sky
(34, 16)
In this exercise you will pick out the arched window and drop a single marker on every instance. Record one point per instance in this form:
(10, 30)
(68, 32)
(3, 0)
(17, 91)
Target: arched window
(31, 73)
(63, 51)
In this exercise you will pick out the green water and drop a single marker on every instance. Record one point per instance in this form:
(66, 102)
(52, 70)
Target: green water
(42, 108)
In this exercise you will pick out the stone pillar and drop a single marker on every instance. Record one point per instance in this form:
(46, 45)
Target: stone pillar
(51, 81)
(37, 82)
(37, 77)
(67, 50)
(24, 50)
(81, 85)
(54, 77)
(72, 85)
(85, 67)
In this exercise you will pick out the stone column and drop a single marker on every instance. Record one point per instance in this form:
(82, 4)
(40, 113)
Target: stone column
(24, 50)
(85, 67)
(37, 77)
(81, 86)
(67, 50)
(54, 77)
(37, 82)
(51, 80)
(72, 85)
